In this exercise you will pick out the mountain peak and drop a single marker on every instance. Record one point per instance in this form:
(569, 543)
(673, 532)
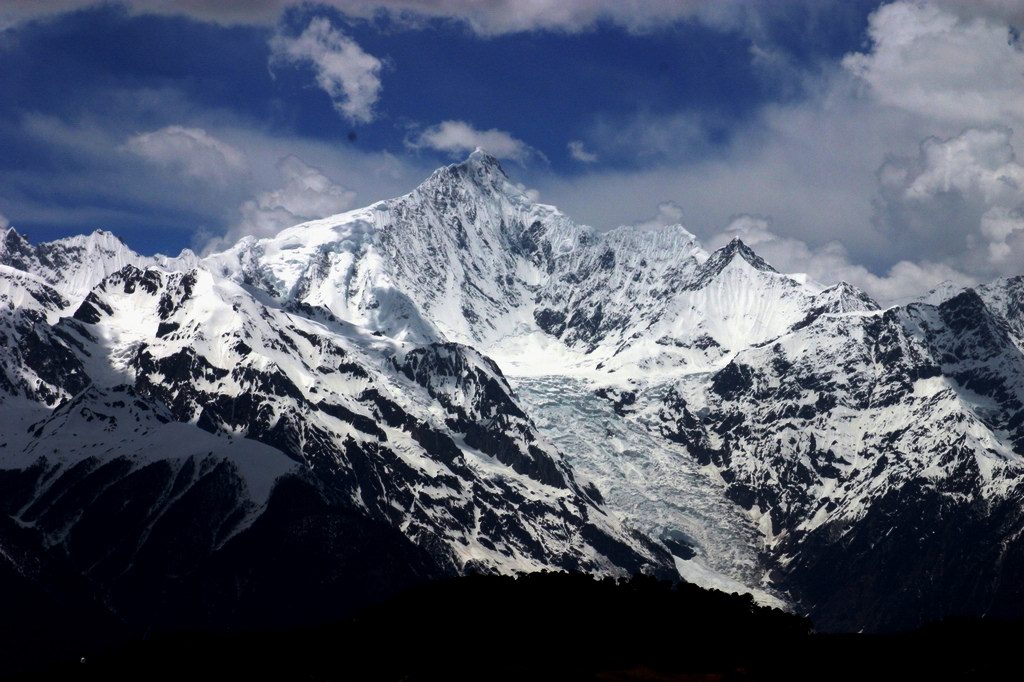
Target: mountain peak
(737, 247)
(74, 265)
(848, 298)
(15, 250)
(483, 166)
(12, 236)
(837, 299)
(721, 259)
(479, 172)
(482, 157)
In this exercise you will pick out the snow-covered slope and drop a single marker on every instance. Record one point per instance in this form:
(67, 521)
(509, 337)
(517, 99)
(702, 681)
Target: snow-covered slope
(734, 300)
(427, 438)
(1005, 297)
(872, 445)
(187, 372)
(444, 262)
(36, 364)
(74, 265)
(461, 379)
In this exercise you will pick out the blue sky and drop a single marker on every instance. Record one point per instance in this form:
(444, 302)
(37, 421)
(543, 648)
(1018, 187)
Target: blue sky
(811, 127)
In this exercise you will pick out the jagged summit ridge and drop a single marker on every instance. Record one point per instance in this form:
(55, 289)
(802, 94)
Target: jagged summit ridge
(76, 264)
(468, 257)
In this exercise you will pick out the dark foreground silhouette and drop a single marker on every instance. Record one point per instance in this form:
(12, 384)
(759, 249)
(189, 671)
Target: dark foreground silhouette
(542, 626)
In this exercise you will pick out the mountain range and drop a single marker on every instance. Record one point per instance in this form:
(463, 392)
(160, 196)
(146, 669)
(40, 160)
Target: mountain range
(462, 380)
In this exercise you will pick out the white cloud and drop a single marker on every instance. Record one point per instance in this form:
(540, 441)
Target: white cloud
(810, 164)
(458, 138)
(669, 213)
(495, 17)
(97, 182)
(508, 16)
(307, 194)
(343, 70)
(977, 161)
(489, 17)
(578, 151)
(906, 279)
(1010, 11)
(4, 222)
(845, 164)
(531, 193)
(190, 151)
(1004, 229)
(962, 196)
(941, 65)
(752, 229)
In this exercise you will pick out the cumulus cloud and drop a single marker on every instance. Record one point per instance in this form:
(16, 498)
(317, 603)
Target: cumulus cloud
(753, 229)
(957, 205)
(793, 162)
(93, 180)
(939, 64)
(962, 196)
(190, 151)
(977, 161)
(343, 70)
(307, 194)
(578, 151)
(1004, 229)
(458, 138)
(495, 17)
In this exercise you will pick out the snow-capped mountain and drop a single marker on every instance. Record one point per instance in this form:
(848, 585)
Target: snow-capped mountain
(176, 377)
(461, 379)
(881, 453)
(443, 262)
(467, 257)
(75, 265)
